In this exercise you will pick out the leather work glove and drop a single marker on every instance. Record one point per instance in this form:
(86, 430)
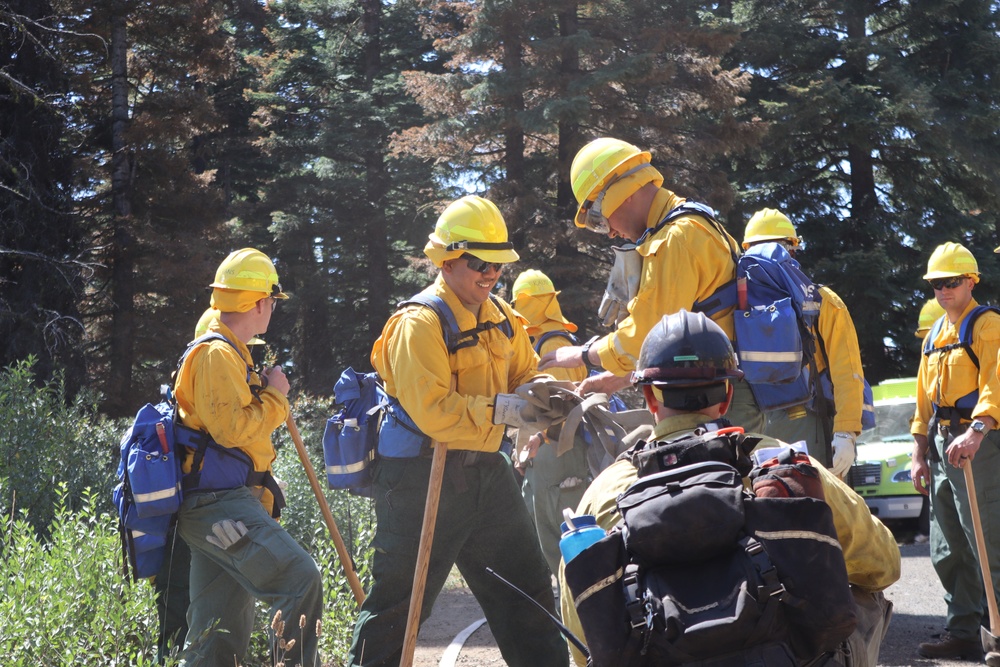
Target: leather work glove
(623, 285)
(227, 533)
(512, 410)
(844, 452)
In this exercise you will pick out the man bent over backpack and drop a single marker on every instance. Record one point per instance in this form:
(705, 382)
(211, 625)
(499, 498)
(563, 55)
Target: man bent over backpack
(639, 593)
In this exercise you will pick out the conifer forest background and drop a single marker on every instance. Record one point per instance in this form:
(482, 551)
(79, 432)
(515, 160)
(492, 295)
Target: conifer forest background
(142, 141)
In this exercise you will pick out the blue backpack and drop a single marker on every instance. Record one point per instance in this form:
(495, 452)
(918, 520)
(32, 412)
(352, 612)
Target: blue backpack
(967, 403)
(151, 484)
(777, 310)
(350, 437)
(372, 423)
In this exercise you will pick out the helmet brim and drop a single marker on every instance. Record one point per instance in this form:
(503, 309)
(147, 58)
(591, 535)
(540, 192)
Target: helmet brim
(502, 256)
(934, 275)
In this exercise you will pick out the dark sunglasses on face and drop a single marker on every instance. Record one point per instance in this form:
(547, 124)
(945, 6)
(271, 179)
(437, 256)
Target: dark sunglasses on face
(480, 266)
(951, 283)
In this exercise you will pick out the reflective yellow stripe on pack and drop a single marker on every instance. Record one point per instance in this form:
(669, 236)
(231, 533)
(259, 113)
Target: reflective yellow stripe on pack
(798, 535)
(599, 586)
(153, 496)
(353, 467)
(776, 357)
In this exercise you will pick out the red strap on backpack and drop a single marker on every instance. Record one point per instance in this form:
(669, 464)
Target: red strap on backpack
(161, 433)
(789, 475)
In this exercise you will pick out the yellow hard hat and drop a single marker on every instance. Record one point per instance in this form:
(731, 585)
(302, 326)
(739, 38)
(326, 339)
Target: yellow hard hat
(206, 318)
(470, 225)
(769, 224)
(249, 270)
(929, 314)
(952, 259)
(532, 283)
(604, 163)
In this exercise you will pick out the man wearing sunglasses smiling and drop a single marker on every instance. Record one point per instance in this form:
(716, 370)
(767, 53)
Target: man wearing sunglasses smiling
(453, 396)
(683, 262)
(958, 406)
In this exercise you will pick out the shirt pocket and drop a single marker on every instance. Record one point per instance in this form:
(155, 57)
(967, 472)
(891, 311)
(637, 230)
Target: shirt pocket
(961, 375)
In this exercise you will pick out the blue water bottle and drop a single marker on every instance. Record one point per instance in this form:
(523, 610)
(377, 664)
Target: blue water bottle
(578, 533)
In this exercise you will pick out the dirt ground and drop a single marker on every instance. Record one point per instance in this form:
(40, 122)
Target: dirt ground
(455, 609)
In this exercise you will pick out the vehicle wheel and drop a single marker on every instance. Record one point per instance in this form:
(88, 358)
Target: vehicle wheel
(924, 520)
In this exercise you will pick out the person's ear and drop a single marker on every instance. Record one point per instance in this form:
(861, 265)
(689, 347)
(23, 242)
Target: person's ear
(724, 408)
(651, 403)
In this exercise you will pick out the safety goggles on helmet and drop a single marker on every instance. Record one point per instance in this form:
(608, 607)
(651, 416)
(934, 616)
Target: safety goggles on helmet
(594, 220)
(939, 284)
(479, 265)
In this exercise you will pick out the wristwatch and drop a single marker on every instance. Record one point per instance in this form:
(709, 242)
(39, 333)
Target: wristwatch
(979, 426)
(586, 355)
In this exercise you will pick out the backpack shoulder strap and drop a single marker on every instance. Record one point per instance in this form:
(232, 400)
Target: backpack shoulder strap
(964, 333)
(685, 209)
(932, 334)
(454, 338)
(210, 336)
(548, 335)
(725, 295)
(967, 327)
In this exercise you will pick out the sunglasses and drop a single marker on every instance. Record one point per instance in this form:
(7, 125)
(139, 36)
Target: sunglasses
(594, 220)
(479, 265)
(951, 283)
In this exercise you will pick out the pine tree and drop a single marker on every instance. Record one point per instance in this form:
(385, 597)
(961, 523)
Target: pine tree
(347, 215)
(882, 143)
(530, 82)
(42, 270)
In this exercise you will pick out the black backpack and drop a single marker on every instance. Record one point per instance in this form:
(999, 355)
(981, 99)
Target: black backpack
(701, 572)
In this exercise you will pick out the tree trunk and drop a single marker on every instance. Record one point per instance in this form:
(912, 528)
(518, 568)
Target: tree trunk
(122, 347)
(569, 129)
(380, 282)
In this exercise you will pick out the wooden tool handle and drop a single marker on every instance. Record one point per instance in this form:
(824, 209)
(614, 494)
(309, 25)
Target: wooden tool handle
(984, 563)
(424, 553)
(338, 541)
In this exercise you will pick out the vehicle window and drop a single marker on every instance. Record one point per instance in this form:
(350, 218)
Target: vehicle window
(892, 423)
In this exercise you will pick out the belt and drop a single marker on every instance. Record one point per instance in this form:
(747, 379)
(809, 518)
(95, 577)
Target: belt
(463, 457)
(945, 429)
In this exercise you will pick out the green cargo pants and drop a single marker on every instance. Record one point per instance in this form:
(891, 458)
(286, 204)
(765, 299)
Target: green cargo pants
(481, 522)
(953, 539)
(545, 499)
(172, 586)
(266, 564)
(796, 424)
(743, 411)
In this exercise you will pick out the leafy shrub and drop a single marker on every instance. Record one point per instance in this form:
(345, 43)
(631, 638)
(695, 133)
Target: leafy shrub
(64, 599)
(48, 440)
(62, 592)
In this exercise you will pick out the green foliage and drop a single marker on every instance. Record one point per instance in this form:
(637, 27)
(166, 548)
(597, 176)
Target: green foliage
(47, 440)
(64, 600)
(64, 604)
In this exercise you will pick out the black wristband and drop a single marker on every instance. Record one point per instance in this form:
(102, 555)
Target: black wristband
(586, 355)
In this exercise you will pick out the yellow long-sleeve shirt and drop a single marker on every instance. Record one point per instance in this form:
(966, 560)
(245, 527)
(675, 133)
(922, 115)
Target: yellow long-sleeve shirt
(685, 262)
(840, 341)
(213, 395)
(945, 377)
(450, 397)
(870, 550)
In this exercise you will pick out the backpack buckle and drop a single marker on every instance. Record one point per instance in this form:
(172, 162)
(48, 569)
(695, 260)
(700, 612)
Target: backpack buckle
(639, 612)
